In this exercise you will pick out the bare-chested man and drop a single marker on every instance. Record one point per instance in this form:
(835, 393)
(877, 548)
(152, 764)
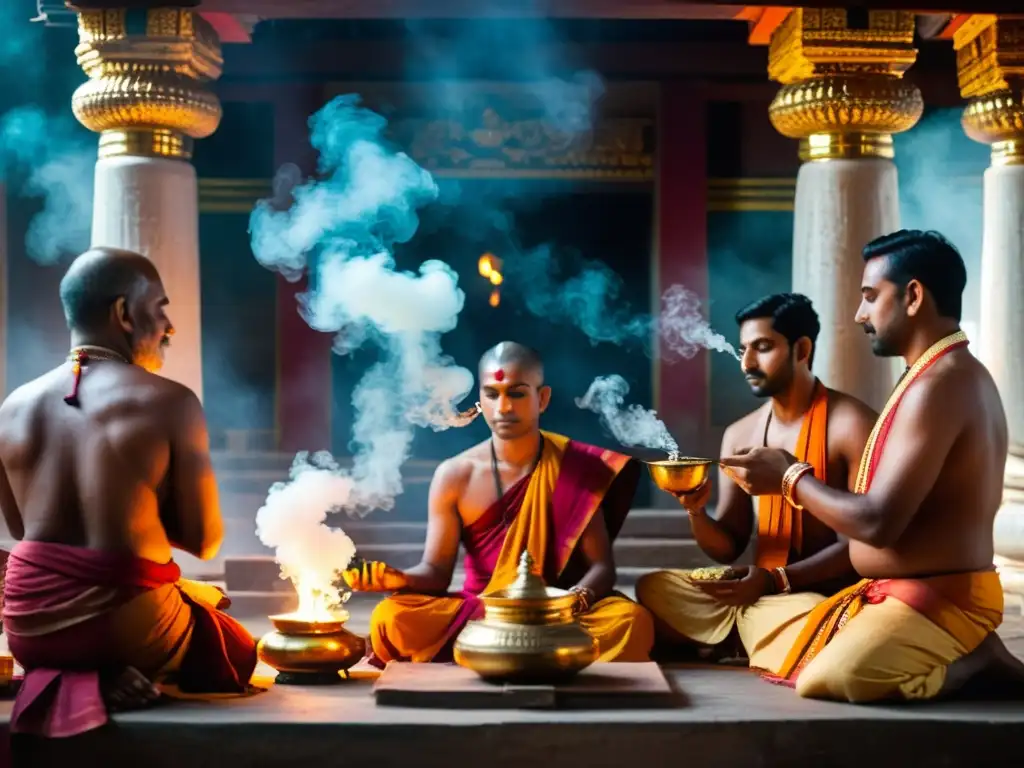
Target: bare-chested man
(106, 469)
(562, 500)
(798, 559)
(922, 620)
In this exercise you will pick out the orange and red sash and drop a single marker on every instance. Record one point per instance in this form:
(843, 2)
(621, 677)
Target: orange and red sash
(931, 597)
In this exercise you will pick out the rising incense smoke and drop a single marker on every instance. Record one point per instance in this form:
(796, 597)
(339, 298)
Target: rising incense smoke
(342, 230)
(590, 300)
(44, 157)
(630, 425)
(292, 522)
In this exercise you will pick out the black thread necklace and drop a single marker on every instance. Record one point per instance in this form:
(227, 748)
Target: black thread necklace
(497, 475)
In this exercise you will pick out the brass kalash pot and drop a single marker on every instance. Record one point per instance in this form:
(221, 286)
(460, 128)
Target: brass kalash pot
(528, 634)
(310, 652)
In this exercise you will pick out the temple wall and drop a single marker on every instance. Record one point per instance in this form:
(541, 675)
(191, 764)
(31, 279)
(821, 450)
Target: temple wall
(238, 294)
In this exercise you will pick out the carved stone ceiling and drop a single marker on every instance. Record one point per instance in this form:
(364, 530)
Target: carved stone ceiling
(608, 9)
(569, 9)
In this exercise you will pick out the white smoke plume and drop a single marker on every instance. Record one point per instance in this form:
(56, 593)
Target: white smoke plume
(630, 425)
(341, 229)
(55, 165)
(292, 522)
(684, 329)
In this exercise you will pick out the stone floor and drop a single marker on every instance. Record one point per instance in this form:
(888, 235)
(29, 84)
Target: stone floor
(723, 717)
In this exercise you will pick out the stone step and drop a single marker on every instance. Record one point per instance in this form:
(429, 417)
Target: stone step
(260, 573)
(256, 604)
(239, 512)
(641, 523)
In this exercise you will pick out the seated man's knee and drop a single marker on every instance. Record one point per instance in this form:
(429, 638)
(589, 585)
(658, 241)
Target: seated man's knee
(383, 617)
(848, 679)
(639, 619)
(651, 586)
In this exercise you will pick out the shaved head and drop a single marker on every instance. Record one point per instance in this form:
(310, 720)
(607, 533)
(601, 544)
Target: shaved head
(511, 355)
(512, 390)
(97, 279)
(115, 299)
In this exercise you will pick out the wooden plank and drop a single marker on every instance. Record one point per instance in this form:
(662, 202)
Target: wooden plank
(449, 686)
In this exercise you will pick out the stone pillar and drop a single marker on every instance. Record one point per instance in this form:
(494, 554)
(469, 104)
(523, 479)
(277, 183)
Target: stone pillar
(988, 53)
(147, 97)
(843, 97)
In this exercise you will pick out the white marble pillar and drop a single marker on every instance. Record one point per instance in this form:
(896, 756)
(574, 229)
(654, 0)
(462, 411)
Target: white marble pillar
(1001, 347)
(842, 204)
(148, 96)
(986, 47)
(3, 292)
(150, 205)
(843, 96)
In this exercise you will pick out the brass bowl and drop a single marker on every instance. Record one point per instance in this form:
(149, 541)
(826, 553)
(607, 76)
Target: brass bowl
(306, 652)
(528, 634)
(684, 475)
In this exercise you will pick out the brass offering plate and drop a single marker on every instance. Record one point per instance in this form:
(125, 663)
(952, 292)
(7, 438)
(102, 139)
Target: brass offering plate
(683, 475)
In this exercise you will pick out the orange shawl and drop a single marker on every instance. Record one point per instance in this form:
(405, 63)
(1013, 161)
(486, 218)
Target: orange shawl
(779, 526)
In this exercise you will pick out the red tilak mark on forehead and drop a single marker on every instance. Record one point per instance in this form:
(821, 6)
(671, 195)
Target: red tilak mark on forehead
(499, 375)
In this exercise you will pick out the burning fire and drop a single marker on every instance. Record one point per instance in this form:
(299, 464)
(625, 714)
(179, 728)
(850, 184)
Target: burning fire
(489, 266)
(317, 602)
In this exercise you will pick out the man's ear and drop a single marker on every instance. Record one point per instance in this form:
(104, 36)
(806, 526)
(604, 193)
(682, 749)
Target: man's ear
(121, 316)
(544, 394)
(914, 297)
(802, 350)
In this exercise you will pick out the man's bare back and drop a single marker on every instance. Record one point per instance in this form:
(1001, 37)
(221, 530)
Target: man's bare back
(126, 469)
(954, 403)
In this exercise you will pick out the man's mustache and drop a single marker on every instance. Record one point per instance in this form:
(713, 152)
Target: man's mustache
(754, 374)
(869, 328)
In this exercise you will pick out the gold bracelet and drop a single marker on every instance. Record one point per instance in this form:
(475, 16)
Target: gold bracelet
(784, 578)
(790, 479)
(584, 598)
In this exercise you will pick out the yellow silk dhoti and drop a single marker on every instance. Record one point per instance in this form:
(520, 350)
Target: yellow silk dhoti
(545, 514)
(416, 627)
(892, 638)
(685, 613)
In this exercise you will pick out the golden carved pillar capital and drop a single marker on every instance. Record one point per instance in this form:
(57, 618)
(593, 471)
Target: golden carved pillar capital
(990, 70)
(843, 94)
(149, 70)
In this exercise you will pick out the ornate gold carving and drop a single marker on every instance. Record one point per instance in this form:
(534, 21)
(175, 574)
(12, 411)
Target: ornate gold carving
(990, 70)
(615, 148)
(846, 115)
(842, 90)
(146, 93)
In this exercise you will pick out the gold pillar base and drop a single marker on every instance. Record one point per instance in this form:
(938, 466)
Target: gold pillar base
(1008, 152)
(142, 142)
(846, 146)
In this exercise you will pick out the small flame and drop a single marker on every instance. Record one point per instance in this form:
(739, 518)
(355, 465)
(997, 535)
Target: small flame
(496, 278)
(495, 299)
(487, 264)
(317, 601)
